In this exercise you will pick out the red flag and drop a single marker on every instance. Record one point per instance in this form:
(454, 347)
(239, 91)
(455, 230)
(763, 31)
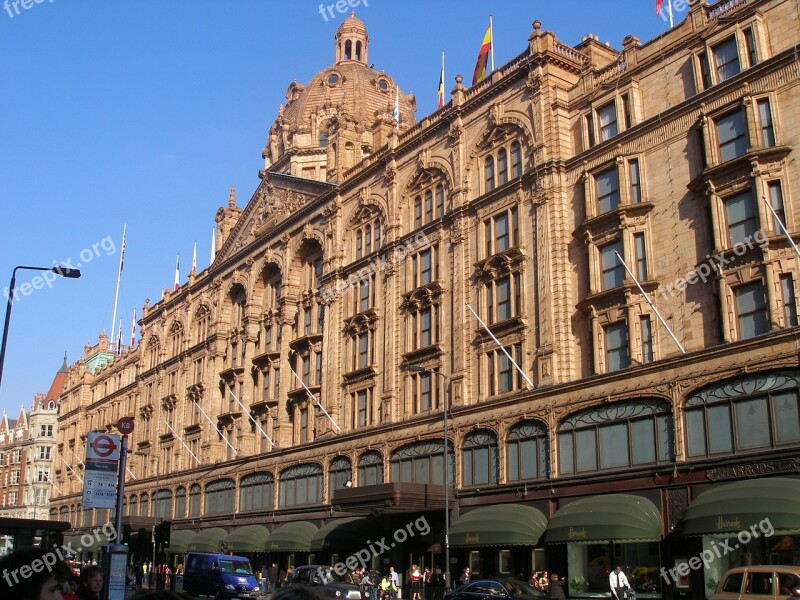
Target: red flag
(440, 104)
(659, 4)
(178, 272)
(483, 56)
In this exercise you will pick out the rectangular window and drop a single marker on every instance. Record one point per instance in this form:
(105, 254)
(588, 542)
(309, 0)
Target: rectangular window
(726, 59)
(705, 71)
(265, 387)
(439, 201)
(363, 348)
(647, 340)
(731, 135)
(607, 118)
(198, 370)
(418, 212)
(307, 321)
(767, 128)
(636, 185)
(503, 287)
(742, 221)
(751, 310)
(607, 184)
(641, 256)
(488, 171)
(306, 366)
(425, 391)
(43, 452)
(363, 304)
(626, 111)
(617, 356)
(361, 419)
(501, 240)
(502, 166)
(303, 425)
(505, 372)
(425, 327)
(612, 270)
(750, 44)
(46, 431)
(320, 318)
(789, 301)
(276, 383)
(516, 159)
(590, 129)
(776, 201)
(318, 369)
(426, 267)
(428, 206)
(359, 244)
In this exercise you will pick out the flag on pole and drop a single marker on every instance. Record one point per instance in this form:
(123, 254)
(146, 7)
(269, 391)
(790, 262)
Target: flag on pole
(440, 104)
(194, 259)
(122, 250)
(483, 56)
(213, 245)
(119, 339)
(133, 329)
(396, 114)
(660, 11)
(177, 272)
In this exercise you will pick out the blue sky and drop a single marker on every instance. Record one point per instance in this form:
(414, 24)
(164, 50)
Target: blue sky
(146, 113)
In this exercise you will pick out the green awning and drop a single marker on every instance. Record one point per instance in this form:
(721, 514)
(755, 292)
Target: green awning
(604, 518)
(207, 540)
(86, 542)
(352, 532)
(292, 537)
(179, 541)
(248, 538)
(734, 507)
(499, 525)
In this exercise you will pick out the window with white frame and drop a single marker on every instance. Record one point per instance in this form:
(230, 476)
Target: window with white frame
(641, 256)
(731, 135)
(726, 59)
(45, 431)
(751, 310)
(607, 121)
(634, 180)
(43, 452)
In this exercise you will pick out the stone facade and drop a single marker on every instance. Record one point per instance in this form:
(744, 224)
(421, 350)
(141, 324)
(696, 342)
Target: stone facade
(513, 200)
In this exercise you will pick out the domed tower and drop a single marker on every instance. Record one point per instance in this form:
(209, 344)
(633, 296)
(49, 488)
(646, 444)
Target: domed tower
(342, 115)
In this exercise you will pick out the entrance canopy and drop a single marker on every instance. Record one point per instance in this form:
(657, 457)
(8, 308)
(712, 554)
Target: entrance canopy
(292, 537)
(734, 507)
(605, 518)
(207, 540)
(248, 538)
(351, 532)
(500, 525)
(179, 541)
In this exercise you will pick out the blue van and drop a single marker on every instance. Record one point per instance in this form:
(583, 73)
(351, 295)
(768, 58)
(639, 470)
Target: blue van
(219, 575)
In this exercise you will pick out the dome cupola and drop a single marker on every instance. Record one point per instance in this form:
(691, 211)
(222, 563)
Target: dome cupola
(351, 40)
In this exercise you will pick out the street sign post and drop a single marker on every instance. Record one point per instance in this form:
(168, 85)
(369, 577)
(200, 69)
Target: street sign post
(102, 462)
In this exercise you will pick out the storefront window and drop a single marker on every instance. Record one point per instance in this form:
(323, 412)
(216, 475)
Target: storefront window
(475, 563)
(504, 562)
(591, 565)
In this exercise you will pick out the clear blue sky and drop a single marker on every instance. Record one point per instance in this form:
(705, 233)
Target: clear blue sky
(146, 113)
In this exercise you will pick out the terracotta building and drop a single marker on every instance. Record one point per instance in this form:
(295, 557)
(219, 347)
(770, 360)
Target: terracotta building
(275, 409)
(27, 452)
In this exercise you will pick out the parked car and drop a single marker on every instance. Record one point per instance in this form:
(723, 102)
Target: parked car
(759, 582)
(219, 575)
(494, 589)
(327, 581)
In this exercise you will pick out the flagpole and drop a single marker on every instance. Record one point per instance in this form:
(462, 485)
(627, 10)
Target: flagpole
(133, 329)
(669, 10)
(496, 341)
(650, 302)
(780, 224)
(313, 397)
(491, 40)
(119, 277)
(194, 258)
(245, 409)
(214, 425)
(180, 439)
(213, 245)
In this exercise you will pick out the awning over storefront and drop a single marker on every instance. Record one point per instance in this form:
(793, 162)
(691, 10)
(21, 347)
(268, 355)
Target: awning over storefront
(179, 541)
(292, 537)
(500, 525)
(248, 538)
(86, 542)
(207, 540)
(734, 507)
(604, 518)
(352, 532)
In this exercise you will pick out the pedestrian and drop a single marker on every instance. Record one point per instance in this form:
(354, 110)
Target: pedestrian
(91, 583)
(426, 581)
(556, 588)
(71, 588)
(272, 575)
(388, 587)
(44, 584)
(366, 584)
(416, 583)
(465, 577)
(375, 578)
(618, 583)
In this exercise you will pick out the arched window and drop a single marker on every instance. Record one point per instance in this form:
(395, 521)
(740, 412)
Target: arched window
(621, 435)
(63, 514)
(180, 503)
(348, 50)
(358, 50)
(144, 505)
(502, 167)
(219, 497)
(370, 468)
(194, 500)
(479, 455)
(341, 471)
(488, 173)
(202, 318)
(162, 504)
(526, 449)
(133, 506)
(745, 414)
(256, 492)
(301, 485)
(421, 463)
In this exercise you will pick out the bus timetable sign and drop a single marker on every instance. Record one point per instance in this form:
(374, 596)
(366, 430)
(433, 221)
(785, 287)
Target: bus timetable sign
(100, 476)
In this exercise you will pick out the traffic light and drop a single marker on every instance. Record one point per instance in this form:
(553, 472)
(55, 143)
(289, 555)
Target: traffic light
(166, 529)
(157, 534)
(126, 535)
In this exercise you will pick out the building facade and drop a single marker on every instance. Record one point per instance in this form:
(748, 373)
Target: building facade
(603, 212)
(27, 453)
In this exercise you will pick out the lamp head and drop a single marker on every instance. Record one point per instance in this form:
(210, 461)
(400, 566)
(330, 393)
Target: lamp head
(67, 272)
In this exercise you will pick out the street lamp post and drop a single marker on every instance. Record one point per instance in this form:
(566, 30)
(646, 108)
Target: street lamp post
(445, 466)
(155, 517)
(62, 271)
